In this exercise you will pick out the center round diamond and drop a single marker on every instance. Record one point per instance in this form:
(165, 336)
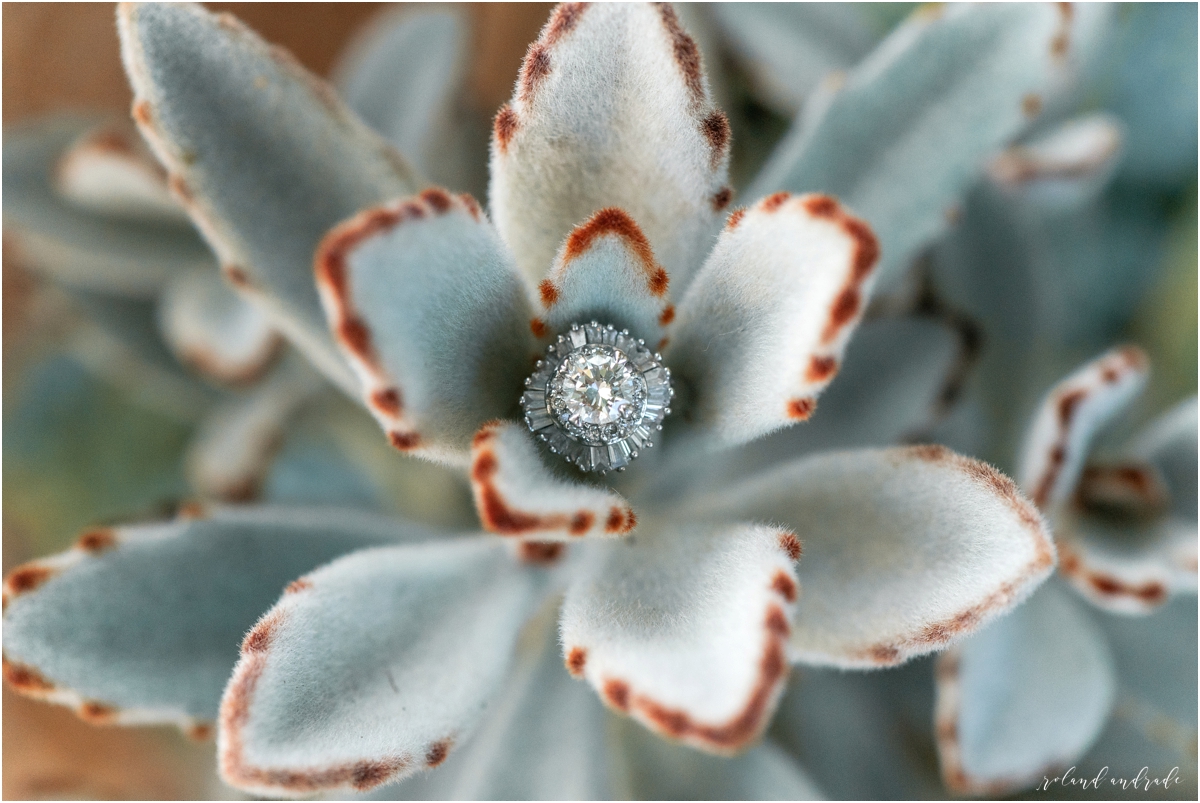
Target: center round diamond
(598, 397)
(597, 394)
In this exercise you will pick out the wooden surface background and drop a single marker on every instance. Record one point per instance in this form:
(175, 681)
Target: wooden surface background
(65, 55)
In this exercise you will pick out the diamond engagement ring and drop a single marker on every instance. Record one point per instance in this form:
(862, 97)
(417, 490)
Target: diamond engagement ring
(598, 397)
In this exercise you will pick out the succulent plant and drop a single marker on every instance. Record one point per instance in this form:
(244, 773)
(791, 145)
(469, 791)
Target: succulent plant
(681, 339)
(1054, 256)
(1030, 694)
(88, 206)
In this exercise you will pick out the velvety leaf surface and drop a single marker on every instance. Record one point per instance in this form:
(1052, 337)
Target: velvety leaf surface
(606, 272)
(684, 629)
(890, 386)
(762, 328)
(1091, 267)
(233, 448)
(1129, 541)
(787, 48)
(863, 735)
(1024, 696)
(1169, 442)
(903, 136)
(169, 390)
(1036, 274)
(518, 495)
(544, 737)
(1154, 722)
(424, 301)
(401, 75)
(374, 667)
(109, 170)
(905, 550)
(214, 330)
(1070, 416)
(72, 244)
(661, 770)
(313, 468)
(1129, 567)
(1146, 77)
(1049, 287)
(1065, 166)
(754, 130)
(547, 737)
(265, 156)
(141, 623)
(134, 324)
(416, 490)
(611, 109)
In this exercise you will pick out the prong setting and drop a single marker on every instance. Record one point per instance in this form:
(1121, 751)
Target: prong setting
(598, 397)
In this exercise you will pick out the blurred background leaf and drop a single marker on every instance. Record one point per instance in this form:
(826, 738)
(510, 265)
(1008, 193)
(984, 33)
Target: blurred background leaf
(79, 451)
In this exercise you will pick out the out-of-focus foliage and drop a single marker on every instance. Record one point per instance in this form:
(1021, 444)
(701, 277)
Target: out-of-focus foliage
(78, 451)
(1028, 282)
(1165, 321)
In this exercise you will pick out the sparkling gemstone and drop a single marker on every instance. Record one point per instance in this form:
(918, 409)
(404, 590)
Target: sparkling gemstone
(598, 397)
(597, 394)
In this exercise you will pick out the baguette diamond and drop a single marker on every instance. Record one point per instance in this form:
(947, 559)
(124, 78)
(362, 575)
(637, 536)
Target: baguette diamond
(598, 397)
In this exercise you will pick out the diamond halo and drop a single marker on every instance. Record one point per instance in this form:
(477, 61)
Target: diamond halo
(598, 397)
